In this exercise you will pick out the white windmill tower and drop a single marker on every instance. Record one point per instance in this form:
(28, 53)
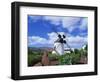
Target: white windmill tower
(59, 44)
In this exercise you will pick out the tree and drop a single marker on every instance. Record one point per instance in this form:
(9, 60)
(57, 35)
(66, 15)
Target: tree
(86, 47)
(76, 51)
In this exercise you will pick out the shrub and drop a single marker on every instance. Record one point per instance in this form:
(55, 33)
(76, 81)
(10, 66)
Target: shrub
(75, 58)
(33, 59)
(65, 59)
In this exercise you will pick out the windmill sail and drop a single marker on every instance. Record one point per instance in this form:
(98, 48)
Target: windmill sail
(59, 45)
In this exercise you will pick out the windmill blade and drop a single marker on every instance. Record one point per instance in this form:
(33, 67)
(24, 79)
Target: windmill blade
(67, 42)
(64, 36)
(68, 46)
(59, 35)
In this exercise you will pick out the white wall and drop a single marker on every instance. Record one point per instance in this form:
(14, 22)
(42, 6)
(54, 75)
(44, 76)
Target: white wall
(5, 40)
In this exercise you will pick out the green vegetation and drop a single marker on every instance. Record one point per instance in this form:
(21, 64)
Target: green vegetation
(66, 59)
(53, 56)
(34, 57)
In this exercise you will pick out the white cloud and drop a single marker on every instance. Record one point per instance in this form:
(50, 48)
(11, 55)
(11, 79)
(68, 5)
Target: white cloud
(40, 41)
(33, 40)
(84, 24)
(77, 41)
(83, 34)
(68, 22)
(36, 40)
(53, 19)
(52, 37)
(73, 41)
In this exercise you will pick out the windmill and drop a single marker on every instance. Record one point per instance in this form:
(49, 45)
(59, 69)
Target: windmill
(59, 43)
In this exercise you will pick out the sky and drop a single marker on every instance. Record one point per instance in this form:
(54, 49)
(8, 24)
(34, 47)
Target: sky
(42, 30)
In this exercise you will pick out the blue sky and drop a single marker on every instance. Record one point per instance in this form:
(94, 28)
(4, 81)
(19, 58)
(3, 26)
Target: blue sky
(41, 30)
